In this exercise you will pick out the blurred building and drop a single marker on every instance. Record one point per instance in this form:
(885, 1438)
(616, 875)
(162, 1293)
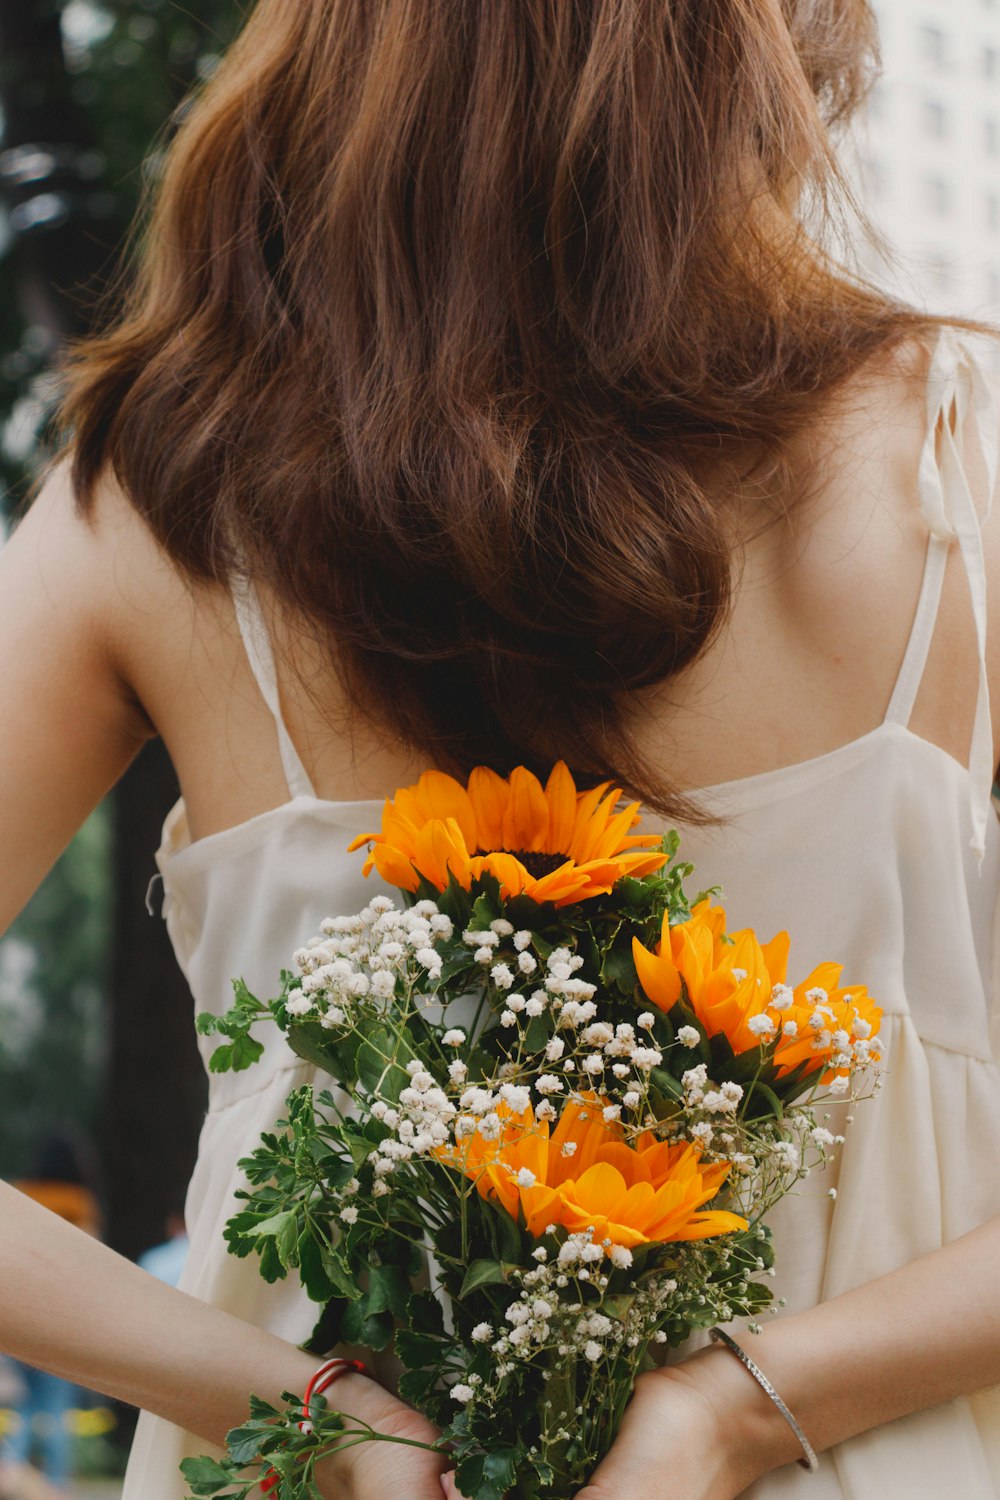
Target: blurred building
(928, 153)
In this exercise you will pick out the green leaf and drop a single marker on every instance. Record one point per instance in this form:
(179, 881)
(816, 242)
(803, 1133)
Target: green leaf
(204, 1476)
(388, 1290)
(771, 1098)
(312, 1267)
(420, 1351)
(536, 1034)
(415, 1386)
(500, 1467)
(425, 1314)
(618, 969)
(283, 1229)
(308, 1040)
(245, 1052)
(665, 1083)
(504, 1233)
(381, 1064)
(244, 1000)
(373, 1331)
(243, 1443)
(341, 1276)
(326, 1330)
(221, 1059)
(481, 1273)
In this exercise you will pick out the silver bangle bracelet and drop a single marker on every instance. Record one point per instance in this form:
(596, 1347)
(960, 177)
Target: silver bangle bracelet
(810, 1461)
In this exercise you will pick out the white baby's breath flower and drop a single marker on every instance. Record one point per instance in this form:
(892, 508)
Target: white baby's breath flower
(611, 1112)
(548, 1083)
(502, 976)
(527, 962)
(592, 1350)
(515, 1096)
(789, 1028)
(482, 1333)
(688, 1036)
(522, 939)
(462, 1393)
(631, 1099)
(526, 1178)
(763, 1025)
(646, 1020)
(621, 1257)
(349, 1215)
(508, 1018)
(597, 1034)
(554, 1048)
(453, 1038)
(298, 1004)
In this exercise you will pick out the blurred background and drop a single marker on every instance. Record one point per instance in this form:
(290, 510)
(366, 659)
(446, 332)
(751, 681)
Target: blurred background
(102, 1094)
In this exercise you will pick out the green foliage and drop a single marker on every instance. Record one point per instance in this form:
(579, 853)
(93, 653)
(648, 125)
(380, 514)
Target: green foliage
(128, 66)
(53, 981)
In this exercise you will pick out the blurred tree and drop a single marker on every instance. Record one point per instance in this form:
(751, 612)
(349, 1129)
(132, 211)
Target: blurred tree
(89, 89)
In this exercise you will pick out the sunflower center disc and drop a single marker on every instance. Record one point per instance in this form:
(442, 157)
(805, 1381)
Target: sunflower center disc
(537, 863)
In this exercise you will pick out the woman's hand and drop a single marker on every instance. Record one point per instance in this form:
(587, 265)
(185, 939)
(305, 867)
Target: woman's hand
(378, 1470)
(697, 1429)
(702, 1430)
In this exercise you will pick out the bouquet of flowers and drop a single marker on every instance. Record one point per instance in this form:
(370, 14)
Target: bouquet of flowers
(563, 1101)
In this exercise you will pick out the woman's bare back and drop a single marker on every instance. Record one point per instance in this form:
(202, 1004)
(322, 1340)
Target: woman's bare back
(108, 644)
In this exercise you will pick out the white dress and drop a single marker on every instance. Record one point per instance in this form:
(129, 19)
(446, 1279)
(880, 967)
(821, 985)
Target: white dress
(882, 853)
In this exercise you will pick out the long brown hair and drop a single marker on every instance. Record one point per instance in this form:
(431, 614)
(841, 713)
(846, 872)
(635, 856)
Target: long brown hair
(465, 323)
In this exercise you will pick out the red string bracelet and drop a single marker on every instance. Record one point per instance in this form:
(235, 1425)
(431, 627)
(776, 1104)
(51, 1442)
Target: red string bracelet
(325, 1376)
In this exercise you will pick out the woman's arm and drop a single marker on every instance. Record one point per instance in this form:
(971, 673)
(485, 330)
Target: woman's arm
(74, 1307)
(68, 725)
(912, 1339)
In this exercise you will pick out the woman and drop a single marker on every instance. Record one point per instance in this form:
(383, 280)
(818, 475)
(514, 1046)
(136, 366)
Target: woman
(482, 399)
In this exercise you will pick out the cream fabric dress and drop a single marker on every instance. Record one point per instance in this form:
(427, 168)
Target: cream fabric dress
(883, 852)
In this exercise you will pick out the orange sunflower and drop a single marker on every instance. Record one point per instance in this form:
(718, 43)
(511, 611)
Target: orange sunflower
(549, 842)
(584, 1176)
(729, 985)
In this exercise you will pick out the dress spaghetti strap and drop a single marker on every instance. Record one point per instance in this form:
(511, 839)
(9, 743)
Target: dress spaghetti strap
(958, 399)
(257, 644)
